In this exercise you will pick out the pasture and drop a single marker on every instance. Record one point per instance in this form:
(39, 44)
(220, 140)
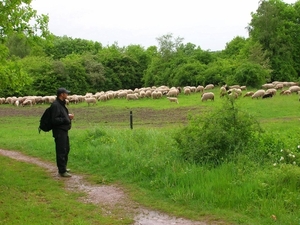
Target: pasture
(146, 160)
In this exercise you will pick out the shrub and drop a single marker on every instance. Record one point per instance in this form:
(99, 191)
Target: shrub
(217, 136)
(289, 157)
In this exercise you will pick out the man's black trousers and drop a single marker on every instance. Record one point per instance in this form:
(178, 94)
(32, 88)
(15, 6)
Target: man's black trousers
(62, 147)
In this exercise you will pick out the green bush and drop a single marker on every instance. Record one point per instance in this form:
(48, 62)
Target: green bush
(217, 136)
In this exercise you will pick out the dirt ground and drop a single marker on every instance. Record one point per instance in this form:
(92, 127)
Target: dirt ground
(145, 117)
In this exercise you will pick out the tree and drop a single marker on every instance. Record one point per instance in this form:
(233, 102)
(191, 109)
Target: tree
(167, 45)
(234, 47)
(63, 46)
(18, 45)
(251, 75)
(17, 17)
(275, 25)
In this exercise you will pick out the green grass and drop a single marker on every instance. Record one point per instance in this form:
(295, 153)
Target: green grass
(248, 190)
(30, 196)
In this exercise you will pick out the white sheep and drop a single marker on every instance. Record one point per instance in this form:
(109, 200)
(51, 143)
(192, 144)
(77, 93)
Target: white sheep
(148, 93)
(173, 99)
(271, 91)
(172, 93)
(279, 86)
(199, 88)
(249, 93)
(156, 94)
(285, 92)
(209, 86)
(193, 88)
(187, 91)
(207, 95)
(235, 90)
(27, 102)
(132, 96)
(266, 86)
(235, 86)
(122, 94)
(91, 100)
(294, 89)
(142, 94)
(2, 100)
(258, 94)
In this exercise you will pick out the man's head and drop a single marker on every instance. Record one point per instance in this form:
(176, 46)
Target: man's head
(62, 93)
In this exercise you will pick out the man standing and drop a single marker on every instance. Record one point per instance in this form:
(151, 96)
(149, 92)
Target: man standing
(61, 124)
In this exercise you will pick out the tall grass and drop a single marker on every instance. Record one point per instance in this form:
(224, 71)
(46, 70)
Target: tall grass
(251, 189)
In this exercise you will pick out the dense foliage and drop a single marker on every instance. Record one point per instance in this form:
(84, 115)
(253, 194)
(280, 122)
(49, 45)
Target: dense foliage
(34, 61)
(218, 136)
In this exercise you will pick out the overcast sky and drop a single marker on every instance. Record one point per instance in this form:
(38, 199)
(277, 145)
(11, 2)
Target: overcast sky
(208, 24)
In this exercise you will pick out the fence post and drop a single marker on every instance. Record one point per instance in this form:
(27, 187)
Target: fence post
(131, 126)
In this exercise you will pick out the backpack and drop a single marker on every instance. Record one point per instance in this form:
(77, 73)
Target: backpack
(45, 121)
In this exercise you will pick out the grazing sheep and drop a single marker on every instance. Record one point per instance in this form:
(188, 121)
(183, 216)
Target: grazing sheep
(173, 93)
(234, 86)
(258, 94)
(199, 88)
(132, 96)
(272, 91)
(279, 86)
(285, 92)
(102, 98)
(187, 91)
(209, 86)
(266, 86)
(207, 95)
(193, 88)
(235, 90)
(142, 94)
(91, 100)
(249, 93)
(27, 102)
(173, 99)
(156, 94)
(122, 94)
(294, 89)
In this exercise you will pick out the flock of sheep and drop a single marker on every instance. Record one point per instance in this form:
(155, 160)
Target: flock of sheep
(267, 90)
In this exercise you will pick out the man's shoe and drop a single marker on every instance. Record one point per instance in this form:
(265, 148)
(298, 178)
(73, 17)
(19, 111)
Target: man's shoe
(65, 174)
(68, 170)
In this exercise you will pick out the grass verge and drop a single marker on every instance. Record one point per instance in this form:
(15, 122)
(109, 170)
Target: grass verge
(30, 196)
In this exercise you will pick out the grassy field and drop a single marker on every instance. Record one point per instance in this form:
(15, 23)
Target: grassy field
(146, 160)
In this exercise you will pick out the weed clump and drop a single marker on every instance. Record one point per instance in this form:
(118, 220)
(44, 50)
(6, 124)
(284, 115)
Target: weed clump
(218, 135)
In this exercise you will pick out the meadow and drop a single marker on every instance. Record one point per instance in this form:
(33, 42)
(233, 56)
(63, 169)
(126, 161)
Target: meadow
(256, 187)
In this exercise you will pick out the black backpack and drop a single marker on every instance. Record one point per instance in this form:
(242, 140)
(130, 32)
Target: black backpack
(45, 121)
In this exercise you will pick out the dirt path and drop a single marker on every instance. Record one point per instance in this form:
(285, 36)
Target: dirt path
(108, 197)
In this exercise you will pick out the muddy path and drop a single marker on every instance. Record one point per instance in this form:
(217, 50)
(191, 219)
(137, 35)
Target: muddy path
(108, 197)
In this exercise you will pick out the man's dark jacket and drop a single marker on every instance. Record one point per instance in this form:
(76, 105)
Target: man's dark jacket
(60, 115)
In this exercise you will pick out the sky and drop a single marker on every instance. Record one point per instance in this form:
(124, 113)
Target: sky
(208, 24)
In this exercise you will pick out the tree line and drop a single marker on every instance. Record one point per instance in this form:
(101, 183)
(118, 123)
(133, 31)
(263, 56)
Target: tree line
(33, 61)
